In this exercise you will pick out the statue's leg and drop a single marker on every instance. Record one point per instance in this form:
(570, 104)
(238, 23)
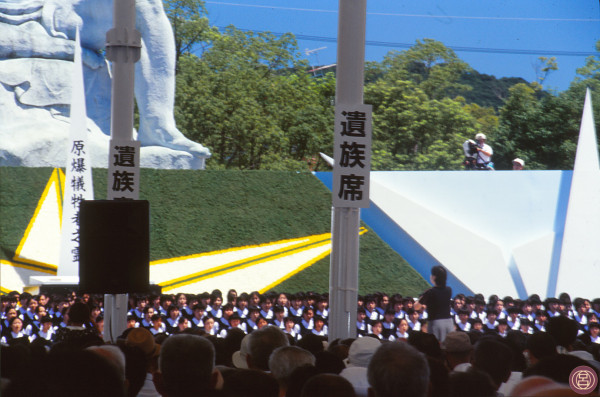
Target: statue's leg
(155, 81)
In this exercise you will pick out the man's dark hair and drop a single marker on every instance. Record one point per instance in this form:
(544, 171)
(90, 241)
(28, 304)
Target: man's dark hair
(557, 367)
(311, 342)
(425, 343)
(493, 357)
(249, 383)
(261, 344)
(563, 330)
(440, 275)
(79, 313)
(186, 363)
(328, 385)
(398, 369)
(471, 383)
(541, 345)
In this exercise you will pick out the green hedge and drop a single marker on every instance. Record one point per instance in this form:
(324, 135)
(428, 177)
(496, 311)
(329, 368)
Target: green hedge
(201, 211)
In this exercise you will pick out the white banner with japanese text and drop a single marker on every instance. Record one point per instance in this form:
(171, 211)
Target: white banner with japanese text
(123, 170)
(78, 173)
(352, 155)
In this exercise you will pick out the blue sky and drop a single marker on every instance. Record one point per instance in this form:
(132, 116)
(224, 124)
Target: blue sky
(503, 38)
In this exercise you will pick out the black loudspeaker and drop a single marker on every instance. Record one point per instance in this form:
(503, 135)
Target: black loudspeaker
(114, 246)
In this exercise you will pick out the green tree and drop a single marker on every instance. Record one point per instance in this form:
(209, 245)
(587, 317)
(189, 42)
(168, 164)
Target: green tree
(415, 125)
(190, 26)
(250, 100)
(544, 67)
(432, 66)
(543, 132)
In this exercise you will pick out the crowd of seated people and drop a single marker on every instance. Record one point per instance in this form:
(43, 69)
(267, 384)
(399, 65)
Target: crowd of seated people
(276, 344)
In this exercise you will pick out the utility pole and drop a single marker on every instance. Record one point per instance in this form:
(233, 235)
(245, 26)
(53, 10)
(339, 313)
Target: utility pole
(351, 168)
(123, 49)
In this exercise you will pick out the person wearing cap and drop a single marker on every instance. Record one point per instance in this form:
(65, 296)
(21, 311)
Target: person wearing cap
(459, 349)
(518, 164)
(484, 153)
(143, 340)
(359, 355)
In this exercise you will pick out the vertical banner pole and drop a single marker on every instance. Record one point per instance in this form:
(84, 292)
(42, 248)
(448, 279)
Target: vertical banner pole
(123, 49)
(351, 169)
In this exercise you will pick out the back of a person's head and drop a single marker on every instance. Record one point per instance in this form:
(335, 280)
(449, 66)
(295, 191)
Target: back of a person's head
(114, 355)
(426, 343)
(79, 313)
(249, 383)
(298, 378)
(438, 378)
(470, 383)
(136, 366)
(328, 362)
(557, 367)
(493, 357)
(327, 385)
(73, 372)
(186, 364)
(440, 275)
(398, 369)
(563, 330)
(311, 342)
(285, 359)
(261, 343)
(541, 345)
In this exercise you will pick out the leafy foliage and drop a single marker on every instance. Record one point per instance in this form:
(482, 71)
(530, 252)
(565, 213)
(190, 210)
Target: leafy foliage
(415, 127)
(249, 99)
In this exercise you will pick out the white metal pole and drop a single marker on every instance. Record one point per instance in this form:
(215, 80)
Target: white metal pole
(343, 278)
(123, 48)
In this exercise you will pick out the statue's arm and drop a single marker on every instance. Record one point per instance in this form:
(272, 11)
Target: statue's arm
(30, 40)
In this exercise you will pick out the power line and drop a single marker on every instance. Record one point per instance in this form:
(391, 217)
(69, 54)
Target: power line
(389, 14)
(389, 44)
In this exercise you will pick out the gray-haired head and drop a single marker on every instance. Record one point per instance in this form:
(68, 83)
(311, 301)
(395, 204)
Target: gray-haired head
(186, 363)
(261, 343)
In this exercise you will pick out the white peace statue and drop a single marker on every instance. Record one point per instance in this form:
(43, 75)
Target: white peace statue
(37, 40)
